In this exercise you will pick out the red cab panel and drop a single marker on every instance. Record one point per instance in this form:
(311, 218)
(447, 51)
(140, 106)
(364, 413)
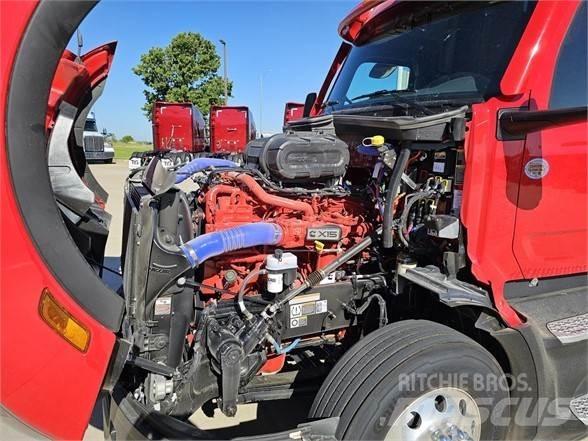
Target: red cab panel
(231, 128)
(46, 383)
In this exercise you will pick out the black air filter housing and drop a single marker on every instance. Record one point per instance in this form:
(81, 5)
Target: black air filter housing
(299, 157)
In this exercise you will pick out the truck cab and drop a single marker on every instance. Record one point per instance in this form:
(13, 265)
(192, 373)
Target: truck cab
(96, 146)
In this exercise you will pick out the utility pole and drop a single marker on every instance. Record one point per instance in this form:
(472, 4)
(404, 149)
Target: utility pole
(261, 105)
(80, 45)
(226, 81)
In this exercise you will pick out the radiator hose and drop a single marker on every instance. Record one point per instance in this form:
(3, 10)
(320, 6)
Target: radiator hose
(199, 164)
(213, 244)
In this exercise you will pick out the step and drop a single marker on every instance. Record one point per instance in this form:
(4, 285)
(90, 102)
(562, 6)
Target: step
(570, 329)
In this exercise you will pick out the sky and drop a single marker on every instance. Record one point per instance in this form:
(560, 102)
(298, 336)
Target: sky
(290, 44)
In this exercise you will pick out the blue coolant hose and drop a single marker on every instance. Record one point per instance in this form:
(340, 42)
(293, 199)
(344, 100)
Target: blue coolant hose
(212, 244)
(199, 164)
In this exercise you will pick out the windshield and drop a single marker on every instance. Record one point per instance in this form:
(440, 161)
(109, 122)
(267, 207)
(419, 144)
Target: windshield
(90, 126)
(457, 52)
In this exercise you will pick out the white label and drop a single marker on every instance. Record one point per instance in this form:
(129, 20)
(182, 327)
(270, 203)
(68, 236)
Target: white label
(163, 306)
(295, 310)
(306, 298)
(275, 282)
(298, 322)
(438, 167)
(321, 306)
(537, 168)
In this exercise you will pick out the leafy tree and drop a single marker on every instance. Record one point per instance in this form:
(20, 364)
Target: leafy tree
(127, 138)
(184, 70)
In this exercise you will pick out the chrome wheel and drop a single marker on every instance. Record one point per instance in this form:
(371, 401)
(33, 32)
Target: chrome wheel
(444, 414)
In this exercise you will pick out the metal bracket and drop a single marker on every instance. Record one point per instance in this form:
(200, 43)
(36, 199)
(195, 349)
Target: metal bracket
(67, 184)
(452, 292)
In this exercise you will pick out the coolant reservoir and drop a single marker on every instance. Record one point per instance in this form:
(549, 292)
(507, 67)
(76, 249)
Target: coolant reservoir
(281, 270)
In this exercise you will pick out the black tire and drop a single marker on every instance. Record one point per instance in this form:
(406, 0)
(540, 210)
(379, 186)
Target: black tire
(368, 387)
(108, 161)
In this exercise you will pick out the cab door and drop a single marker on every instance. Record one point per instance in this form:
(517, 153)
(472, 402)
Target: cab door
(551, 233)
(57, 319)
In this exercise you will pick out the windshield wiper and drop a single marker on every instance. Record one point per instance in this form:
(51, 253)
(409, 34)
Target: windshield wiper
(397, 96)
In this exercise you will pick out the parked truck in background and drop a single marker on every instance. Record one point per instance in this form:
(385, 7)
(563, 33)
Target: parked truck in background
(231, 128)
(96, 146)
(293, 112)
(178, 127)
(179, 131)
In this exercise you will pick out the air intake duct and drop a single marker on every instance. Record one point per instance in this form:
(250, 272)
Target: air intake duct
(213, 244)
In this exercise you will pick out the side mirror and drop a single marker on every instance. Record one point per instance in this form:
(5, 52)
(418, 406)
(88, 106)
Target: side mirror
(308, 104)
(514, 124)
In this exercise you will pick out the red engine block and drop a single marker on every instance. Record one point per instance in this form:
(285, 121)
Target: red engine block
(240, 199)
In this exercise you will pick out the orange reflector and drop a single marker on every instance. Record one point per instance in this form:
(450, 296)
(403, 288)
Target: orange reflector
(63, 323)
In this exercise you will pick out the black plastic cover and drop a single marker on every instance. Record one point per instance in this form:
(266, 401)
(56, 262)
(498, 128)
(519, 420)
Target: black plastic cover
(299, 157)
(440, 127)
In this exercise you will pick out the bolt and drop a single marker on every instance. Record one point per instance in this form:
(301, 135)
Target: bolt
(534, 282)
(231, 411)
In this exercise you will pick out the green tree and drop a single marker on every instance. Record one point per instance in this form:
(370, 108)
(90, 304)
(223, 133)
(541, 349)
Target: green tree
(184, 70)
(127, 138)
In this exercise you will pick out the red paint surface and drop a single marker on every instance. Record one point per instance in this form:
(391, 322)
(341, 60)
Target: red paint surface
(551, 236)
(293, 112)
(231, 128)
(45, 382)
(74, 80)
(520, 228)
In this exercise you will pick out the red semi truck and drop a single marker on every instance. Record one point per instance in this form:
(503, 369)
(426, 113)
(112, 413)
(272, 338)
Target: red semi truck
(439, 295)
(231, 128)
(179, 133)
(178, 127)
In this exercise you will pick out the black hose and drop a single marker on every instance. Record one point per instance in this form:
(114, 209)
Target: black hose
(391, 191)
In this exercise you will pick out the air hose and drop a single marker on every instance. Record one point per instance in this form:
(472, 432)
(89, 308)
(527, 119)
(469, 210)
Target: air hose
(213, 244)
(199, 164)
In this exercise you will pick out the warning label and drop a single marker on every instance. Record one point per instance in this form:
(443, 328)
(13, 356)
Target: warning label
(163, 306)
(298, 322)
(299, 311)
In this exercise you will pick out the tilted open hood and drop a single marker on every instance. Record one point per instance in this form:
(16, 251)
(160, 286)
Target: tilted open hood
(79, 81)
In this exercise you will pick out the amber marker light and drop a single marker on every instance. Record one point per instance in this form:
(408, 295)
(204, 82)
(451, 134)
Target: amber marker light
(62, 322)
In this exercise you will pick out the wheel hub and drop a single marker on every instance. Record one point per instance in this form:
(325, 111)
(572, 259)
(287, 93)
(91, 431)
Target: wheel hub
(443, 414)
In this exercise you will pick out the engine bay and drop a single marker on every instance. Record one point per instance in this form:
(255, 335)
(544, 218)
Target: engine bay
(234, 273)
